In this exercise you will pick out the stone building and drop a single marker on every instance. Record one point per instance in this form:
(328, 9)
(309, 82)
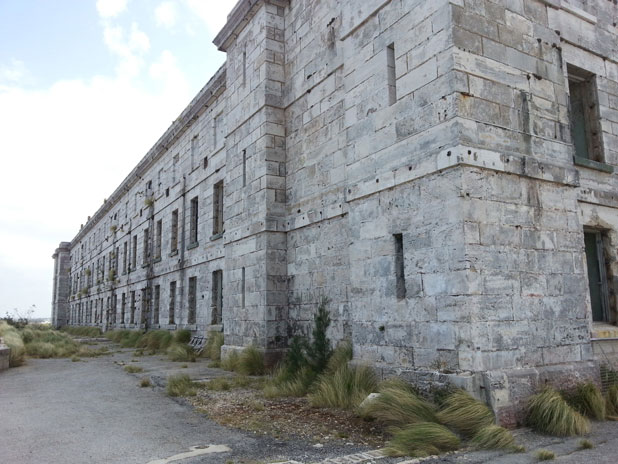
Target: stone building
(442, 171)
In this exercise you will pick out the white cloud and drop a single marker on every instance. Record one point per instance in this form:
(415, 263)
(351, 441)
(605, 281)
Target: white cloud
(212, 13)
(111, 8)
(130, 48)
(13, 73)
(165, 14)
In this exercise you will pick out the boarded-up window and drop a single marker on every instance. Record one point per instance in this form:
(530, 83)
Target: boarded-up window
(194, 219)
(391, 78)
(174, 239)
(134, 260)
(155, 304)
(132, 321)
(585, 119)
(172, 304)
(217, 297)
(158, 238)
(192, 303)
(217, 208)
(146, 248)
(123, 307)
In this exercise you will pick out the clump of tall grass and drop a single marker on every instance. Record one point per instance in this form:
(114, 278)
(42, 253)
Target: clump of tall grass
(251, 362)
(144, 382)
(155, 341)
(89, 332)
(213, 346)
(181, 385)
(545, 455)
(493, 437)
(230, 362)
(181, 353)
(346, 388)
(13, 340)
(587, 400)
(422, 439)
(585, 444)
(398, 405)
(549, 413)
(133, 369)
(182, 336)
(283, 384)
(465, 414)
(611, 401)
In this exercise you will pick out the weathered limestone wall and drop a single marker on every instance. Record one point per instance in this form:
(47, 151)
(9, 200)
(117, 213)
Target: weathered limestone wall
(410, 160)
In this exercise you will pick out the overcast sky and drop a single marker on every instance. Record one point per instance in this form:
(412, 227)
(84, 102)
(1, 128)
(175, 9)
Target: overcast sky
(86, 88)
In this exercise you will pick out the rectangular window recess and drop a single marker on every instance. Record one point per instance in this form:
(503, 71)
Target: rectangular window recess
(400, 267)
(190, 246)
(588, 163)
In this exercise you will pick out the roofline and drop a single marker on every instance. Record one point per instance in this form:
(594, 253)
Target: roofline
(210, 92)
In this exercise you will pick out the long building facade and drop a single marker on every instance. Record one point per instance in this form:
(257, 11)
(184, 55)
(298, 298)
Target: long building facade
(442, 171)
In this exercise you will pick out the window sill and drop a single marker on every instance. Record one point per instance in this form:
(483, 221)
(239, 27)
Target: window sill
(174, 253)
(144, 265)
(190, 246)
(216, 236)
(587, 163)
(157, 260)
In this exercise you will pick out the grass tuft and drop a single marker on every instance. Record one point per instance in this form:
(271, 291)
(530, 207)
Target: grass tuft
(144, 382)
(398, 405)
(422, 439)
(283, 384)
(182, 336)
(230, 363)
(465, 414)
(549, 413)
(155, 341)
(251, 362)
(181, 385)
(493, 437)
(133, 369)
(545, 455)
(213, 346)
(587, 400)
(611, 401)
(13, 340)
(181, 353)
(346, 388)
(585, 444)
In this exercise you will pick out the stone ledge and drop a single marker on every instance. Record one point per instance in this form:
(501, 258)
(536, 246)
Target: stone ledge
(588, 163)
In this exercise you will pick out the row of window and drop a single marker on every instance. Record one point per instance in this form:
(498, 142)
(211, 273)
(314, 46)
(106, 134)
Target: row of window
(92, 311)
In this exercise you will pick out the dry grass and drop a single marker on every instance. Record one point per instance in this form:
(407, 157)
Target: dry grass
(398, 405)
(180, 353)
(230, 363)
(282, 384)
(549, 413)
(588, 400)
(422, 439)
(13, 340)
(213, 346)
(88, 332)
(585, 444)
(145, 382)
(465, 414)
(493, 437)
(545, 455)
(251, 362)
(181, 385)
(611, 401)
(345, 388)
(133, 369)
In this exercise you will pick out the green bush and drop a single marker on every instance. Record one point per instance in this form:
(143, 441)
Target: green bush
(181, 385)
(465, 414)
(213, 346)
(422, 439)
(397, 405)
(587, 400)
(346, 388)
(319, 350)
(493, 437)
(549, 413)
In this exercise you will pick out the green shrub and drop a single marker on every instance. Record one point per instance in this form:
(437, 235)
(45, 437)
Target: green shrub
(549, 413)
(133, 369)
(545, 455)
(397, 405)
(296, 359)
(181, 353)
(213, 346)
(251, 362)
(230, 363)
(493, 437)
(182, 336)
(587, 400)
(345, 388)
(319, 350)
(13, 340)
(181, 385)
(465, 414)
(422, 439)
